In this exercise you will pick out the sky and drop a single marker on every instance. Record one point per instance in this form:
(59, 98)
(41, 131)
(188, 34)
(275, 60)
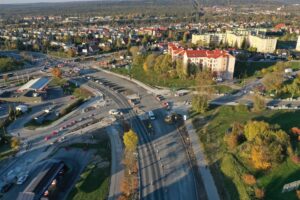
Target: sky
(33, 1)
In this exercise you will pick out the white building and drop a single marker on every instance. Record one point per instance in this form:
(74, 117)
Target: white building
(219, 62)
(298, 44)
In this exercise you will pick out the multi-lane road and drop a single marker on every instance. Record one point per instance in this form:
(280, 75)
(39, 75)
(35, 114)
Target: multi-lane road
(165, 170)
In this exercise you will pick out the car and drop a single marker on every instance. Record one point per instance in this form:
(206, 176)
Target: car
(159, 97)
(172, 118)
(62, 139)
(22, 179)
(48, 137)
(7, 187)
(55, 141)
(54, 133)
(114, 112)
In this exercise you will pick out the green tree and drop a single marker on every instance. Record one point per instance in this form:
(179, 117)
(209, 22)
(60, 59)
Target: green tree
(145, 40)
(185, 37)
(180, 69)
(11, 113)
(204, 83)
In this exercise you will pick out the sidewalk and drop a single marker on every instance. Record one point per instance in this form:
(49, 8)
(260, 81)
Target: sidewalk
(117, 170)
(210, 187)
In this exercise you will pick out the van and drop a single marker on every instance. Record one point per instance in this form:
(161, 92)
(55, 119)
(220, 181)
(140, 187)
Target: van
(151, 115)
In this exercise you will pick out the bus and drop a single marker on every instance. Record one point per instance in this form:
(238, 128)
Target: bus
(151, 115)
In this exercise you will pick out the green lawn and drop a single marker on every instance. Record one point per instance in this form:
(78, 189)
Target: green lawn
(245, 69)
(94, 181)
(154, 79)
(274, 181)
(227, 168)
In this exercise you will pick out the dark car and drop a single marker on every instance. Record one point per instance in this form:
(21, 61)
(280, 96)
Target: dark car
(6, 187)
(172, 118)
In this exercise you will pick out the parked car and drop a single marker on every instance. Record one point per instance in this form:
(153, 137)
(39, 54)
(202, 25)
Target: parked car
(114, 112)
(159, 97)
(22, 179)
(48, 137)
(7, 187)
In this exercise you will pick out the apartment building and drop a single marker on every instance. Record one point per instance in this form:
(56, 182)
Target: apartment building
(219, 62)
(263, 44)
(237, 38)
(207, 39)
(298, 44)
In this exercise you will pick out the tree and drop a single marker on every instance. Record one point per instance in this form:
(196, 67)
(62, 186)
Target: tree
(130, 140)
(273, 81)
(180, 69)
(15, 143)
(149, 63)
(145, 40)
(71, 53)
(259, 193)
(249, 179)
(294, 87)
(166, 64)
(259, 103)
(185, 37)
(259, 158)
(253, 128)
(11, 113)
(134, 51)
(236, 137)
(119, 43)
(158, 64)
(56, 72)
(204, 83)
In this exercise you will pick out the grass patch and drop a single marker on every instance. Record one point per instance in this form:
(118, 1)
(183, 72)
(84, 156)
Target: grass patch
(274, 181)
(227, 168)
(222, 89)
(245, 69)
(154, 79)
(94, 181)
(33, 124)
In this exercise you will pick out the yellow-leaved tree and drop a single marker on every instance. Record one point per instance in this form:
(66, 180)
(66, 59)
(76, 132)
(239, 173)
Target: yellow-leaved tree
(130, 140)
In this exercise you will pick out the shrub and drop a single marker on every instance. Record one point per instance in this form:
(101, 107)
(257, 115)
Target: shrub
(249, 179)
(259, 193)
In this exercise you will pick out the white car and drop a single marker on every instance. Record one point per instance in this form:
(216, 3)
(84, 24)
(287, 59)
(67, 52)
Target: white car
(22, 179)
(114, 112)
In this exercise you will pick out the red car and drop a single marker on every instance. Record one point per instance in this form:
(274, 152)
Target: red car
(54, 132)
(48, 137)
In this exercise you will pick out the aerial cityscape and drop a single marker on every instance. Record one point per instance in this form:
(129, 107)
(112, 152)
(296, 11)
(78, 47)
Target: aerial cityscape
(150, 100)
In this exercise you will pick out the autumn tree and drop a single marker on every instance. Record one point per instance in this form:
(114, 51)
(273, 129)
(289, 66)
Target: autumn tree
(259, 193)
(130, 140)
(149, 63)
(56, 72)
(134, 51)
(180, 69)
(15, 143)
(293, 88)
(236, 137)
(273, 81)
(71, 53)
(259, 103)
(249, 179)
(253, 128)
